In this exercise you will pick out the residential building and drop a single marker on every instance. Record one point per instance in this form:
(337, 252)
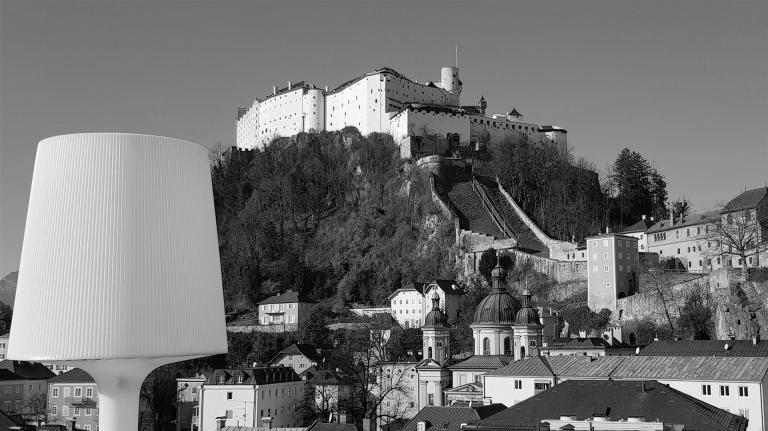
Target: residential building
(288, 309)
(407, 305)
(4, 345)
(73, 396)
(587, 346)
(34, 379)
(434, 418)
(744, 222)
(188, 399)
(733, 384)
(245, 397)
(644, 405)
(331, 392)
(466, 380)
(449, 293)
(11, 392)
(397, 382)
(612, 269)
(300, 357)
(638, 230)
(686, 243)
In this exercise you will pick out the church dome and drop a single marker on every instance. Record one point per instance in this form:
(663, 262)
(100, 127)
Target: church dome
(435, 318)
(499, 307)
(527, 315)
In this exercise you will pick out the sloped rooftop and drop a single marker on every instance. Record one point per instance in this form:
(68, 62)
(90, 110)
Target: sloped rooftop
(450, 418)
(736, 348)
(618, 400)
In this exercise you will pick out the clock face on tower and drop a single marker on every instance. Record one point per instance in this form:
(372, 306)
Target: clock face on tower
(439, 344)
(532, 343)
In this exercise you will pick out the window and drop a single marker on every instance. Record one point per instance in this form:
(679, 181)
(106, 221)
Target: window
(744, 412)
(55, 392)
(607, 284)
(76, 411)
(54, 410)
(743, 391)
(725, 391)
(89, 391)
(606, 268)
(229, 414)
(87, 427)
(605, 255)
(706, 390)
(229, 395)
(518, 384)
(220, 379)
(87, 411)
(78, 392)
(431, 400)
(486, 346)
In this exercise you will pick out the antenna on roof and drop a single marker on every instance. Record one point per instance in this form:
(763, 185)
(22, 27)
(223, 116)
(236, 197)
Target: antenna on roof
(457, 55)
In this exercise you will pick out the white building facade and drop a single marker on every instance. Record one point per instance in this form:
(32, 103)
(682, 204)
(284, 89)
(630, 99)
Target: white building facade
(245, 397)
(382, 101)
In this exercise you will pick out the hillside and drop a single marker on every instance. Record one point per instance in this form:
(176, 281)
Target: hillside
(336, 216)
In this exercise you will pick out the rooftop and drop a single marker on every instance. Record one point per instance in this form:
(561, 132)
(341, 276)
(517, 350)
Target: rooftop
(618, 400)
(483, 362)
(696, 368)
(689, 220)
(307, 350)
(736, 348)
(252, 376)
(28, 370)
(450, 418)
(746, 200)
(287, 297)
(75, 375)
(640, 226)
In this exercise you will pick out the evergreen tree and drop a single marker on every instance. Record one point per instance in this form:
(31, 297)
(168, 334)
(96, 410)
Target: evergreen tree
(487, 263)
(631, 180)
(658, 195)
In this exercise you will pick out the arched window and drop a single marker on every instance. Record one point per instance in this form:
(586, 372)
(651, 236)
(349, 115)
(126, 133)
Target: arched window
(507, 346)
(522, 352)
(429, 353)
(486, 346)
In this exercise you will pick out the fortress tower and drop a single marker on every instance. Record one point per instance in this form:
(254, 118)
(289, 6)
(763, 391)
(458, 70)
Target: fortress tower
(449, 80)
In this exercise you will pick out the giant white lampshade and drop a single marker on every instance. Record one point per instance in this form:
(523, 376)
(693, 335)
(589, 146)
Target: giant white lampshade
(119, 268)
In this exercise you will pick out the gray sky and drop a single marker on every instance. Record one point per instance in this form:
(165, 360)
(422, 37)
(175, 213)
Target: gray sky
(685, 83)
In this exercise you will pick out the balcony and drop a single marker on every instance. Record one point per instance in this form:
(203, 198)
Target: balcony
(81, 402)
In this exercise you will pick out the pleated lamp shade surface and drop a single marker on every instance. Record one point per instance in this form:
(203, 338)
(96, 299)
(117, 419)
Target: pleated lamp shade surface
(120, 255)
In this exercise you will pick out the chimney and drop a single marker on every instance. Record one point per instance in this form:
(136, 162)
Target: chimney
(290, 85)
(607, 229)
(326, 88)
(652, 218)
(643, 217)
(274, 90)
(267, 423)
(755, 339)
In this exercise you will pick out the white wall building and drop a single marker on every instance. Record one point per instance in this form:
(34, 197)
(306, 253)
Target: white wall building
(382, 101)
(245, 397)
(735, 384)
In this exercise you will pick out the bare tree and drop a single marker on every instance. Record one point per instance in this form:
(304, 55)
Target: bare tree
(358, 356)
(37, 406)
(737, 232)
(658, 284)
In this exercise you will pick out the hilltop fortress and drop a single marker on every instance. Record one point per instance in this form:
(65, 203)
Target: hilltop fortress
(385, 101)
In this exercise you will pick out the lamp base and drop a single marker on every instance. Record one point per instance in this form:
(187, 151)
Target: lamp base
(119, 383)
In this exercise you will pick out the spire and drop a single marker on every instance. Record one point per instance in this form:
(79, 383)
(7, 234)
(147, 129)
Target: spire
(499, 276)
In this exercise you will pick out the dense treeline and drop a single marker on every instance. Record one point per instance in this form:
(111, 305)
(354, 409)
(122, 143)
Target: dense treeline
(562, 196)
(335, 216)
(565, 197)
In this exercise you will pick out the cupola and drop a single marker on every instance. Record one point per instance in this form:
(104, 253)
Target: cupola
(499, 307)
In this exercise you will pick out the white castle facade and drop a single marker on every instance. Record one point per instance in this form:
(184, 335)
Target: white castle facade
(384, 101)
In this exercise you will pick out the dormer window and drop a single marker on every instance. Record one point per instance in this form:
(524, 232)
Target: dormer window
(220, 379)
(239, 379)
